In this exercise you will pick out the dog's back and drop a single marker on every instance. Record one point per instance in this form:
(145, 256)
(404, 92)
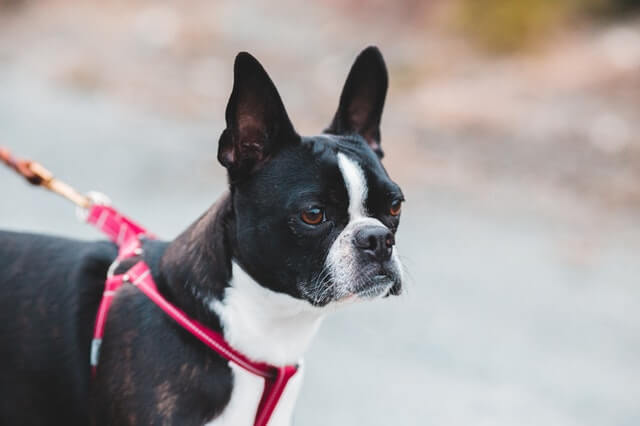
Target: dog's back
(50, 289)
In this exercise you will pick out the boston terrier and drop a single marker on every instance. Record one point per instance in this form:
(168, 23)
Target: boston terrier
(307, 225)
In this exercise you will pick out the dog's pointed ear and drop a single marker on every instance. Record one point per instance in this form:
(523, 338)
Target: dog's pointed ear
(257, 123)
(362, 99)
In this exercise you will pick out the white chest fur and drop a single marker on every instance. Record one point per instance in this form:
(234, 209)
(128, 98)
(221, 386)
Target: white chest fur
(265, 326)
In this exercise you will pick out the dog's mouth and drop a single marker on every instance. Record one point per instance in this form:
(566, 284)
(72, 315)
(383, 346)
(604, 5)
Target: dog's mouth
(369, 284)
(378, 285)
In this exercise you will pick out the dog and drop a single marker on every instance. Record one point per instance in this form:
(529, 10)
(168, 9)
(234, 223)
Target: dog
(310, 224)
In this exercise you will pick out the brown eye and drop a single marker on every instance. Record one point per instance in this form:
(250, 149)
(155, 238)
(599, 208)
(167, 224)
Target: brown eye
(395, 208)
(313, 216)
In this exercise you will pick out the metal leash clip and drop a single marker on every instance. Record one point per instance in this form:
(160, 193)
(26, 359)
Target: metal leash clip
(94, 198)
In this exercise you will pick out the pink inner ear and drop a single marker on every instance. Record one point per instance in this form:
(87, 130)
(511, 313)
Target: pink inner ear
(358, 114)
(250, 139)
(250, 131)
(247, 119)
(372, 143)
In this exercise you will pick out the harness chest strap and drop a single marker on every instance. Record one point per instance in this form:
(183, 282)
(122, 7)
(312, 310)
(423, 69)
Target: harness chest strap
(126, 234)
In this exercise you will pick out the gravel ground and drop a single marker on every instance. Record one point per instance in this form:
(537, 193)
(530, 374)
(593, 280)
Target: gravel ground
(520, 235)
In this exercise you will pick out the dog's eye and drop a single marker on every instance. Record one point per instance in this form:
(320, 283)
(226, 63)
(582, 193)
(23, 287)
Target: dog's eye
(313, 216)
(396, 208)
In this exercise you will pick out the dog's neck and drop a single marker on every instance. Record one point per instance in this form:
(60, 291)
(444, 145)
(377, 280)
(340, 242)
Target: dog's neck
(196, 266)
(263, 324)
(202, 279)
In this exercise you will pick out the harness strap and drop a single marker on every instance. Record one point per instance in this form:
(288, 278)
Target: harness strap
(111, 286)
(126, 234)
(140, 276)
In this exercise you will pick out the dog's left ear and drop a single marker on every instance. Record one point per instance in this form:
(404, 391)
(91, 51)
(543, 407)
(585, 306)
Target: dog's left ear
(257, 122)
(362, 99)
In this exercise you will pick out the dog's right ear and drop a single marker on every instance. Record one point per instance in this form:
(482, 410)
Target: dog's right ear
(257, 123)
(362, 99)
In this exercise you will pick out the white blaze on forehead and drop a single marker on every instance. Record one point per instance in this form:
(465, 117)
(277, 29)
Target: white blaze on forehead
(356, 185)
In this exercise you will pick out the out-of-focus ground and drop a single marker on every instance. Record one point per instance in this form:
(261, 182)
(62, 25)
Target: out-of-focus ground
(520, 235)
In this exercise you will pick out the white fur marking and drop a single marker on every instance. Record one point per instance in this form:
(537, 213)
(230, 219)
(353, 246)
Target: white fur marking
(356, 185)
(245, 397)
(342, 257)
(265, 326)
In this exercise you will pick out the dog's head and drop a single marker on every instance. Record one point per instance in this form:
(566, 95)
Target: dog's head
(315, 217)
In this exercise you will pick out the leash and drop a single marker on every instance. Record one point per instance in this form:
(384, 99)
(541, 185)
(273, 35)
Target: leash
(37, 175)
(128, 236)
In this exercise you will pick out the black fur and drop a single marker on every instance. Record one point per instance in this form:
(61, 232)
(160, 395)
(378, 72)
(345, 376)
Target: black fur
(50, 291)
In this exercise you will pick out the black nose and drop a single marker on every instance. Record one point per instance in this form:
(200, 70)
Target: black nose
(375, 241)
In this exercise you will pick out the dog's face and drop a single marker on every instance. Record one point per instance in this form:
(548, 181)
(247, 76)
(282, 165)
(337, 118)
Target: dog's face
(315, 217)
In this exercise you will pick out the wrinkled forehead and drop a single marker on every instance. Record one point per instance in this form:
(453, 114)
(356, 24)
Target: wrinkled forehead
(356, 165)
(326, 150)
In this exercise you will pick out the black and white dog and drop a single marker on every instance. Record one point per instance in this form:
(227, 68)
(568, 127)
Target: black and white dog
(309, 221)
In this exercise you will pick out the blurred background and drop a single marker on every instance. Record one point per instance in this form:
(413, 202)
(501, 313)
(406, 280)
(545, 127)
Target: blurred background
(512, 126)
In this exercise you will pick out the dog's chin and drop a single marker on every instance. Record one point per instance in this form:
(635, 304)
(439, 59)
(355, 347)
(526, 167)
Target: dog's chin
(378, 286)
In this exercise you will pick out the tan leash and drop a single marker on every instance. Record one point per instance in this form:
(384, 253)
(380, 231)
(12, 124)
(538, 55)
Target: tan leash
(37, 175)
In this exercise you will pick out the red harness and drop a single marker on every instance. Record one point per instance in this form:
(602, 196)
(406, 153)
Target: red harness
(126, 234)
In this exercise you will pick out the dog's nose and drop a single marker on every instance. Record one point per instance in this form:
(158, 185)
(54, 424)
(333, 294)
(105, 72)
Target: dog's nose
(375, 241)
